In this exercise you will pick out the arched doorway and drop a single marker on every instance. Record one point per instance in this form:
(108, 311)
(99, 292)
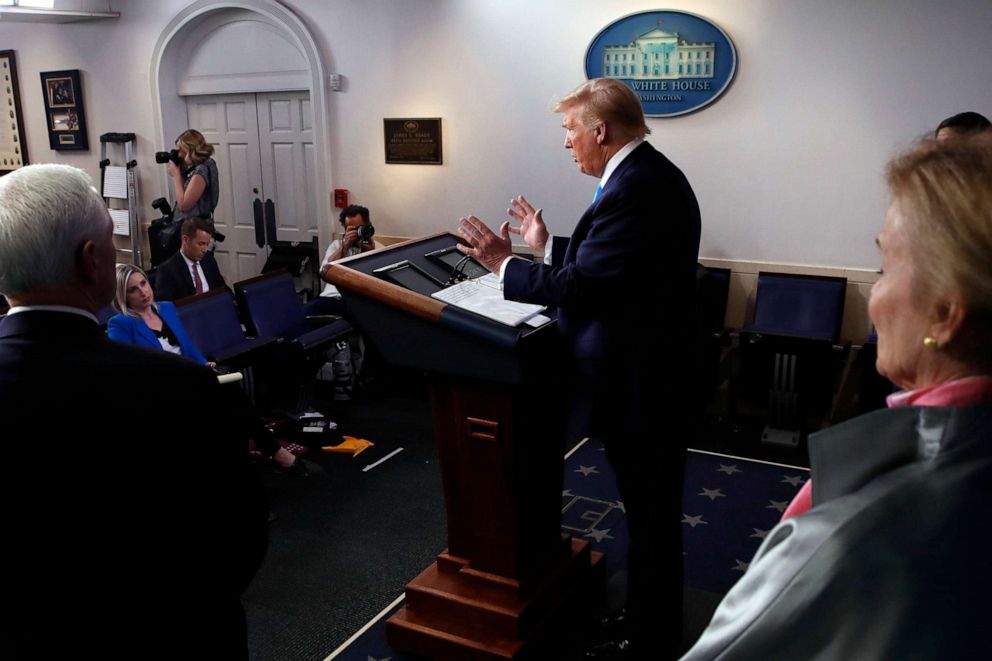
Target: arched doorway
(264, 109)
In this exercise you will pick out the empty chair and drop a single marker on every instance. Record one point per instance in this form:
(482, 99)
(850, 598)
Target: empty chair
(789, 350)
(211, 321)
(712, 289)
(271, 307)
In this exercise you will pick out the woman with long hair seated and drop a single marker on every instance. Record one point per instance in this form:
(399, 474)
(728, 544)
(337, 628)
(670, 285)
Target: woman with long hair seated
(891, 561)
(144, 322)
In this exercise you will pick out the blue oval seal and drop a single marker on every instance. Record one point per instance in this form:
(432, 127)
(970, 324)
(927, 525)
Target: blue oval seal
(676, 62)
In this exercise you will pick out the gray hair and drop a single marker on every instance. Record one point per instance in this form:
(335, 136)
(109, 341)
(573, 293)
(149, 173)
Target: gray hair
(46, 213)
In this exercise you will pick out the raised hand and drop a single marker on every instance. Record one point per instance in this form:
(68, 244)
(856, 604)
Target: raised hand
(532, 227)
(484, 245)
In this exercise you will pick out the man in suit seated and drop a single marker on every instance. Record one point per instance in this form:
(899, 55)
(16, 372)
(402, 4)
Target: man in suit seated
(138, 522)
(192, 270)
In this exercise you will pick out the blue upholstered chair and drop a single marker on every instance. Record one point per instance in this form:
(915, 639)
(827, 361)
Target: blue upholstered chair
(789, 354)
(212, 323)
(271, 307)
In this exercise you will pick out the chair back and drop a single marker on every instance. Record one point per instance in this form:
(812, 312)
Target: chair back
(712, 291)
(271, 306)
(211, 321)
(799, 305)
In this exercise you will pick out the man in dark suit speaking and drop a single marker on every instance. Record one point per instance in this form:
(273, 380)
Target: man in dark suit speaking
(624, 296)
(133, 521)
(192, 270)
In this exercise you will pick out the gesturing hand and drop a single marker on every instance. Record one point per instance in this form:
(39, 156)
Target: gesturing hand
(532, 227)
(487, 248)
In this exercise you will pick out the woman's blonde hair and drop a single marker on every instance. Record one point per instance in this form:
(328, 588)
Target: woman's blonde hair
(197, 148)
(124, 273)
(944, 192)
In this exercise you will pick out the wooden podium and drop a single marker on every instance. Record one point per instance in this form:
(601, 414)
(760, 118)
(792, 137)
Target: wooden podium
(509, 579)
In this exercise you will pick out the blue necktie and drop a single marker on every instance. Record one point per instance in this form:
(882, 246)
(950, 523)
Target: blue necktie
(599, 189)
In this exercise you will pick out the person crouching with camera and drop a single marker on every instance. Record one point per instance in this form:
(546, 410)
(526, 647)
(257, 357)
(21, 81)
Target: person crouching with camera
(347, 358)
(358, 233)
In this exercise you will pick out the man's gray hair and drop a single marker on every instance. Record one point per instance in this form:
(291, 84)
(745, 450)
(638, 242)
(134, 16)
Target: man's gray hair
(46, 213)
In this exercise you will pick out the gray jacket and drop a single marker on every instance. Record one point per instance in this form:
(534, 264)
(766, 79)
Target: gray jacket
(893, 560)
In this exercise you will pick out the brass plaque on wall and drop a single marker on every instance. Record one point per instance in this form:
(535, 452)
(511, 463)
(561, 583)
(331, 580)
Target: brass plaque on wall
(413, 141)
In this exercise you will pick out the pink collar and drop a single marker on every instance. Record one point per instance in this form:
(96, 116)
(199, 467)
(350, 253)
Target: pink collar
(967, 391)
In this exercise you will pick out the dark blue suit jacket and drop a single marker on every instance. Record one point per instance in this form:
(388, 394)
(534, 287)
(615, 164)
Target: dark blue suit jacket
(132, 330)
(625, 289)
(145, 518)
(173, 280)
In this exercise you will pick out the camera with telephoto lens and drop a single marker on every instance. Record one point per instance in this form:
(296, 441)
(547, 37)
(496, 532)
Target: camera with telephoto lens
(365, 233)
(166, 156)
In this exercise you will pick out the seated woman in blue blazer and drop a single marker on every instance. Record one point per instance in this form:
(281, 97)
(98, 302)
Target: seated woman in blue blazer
(144, 322)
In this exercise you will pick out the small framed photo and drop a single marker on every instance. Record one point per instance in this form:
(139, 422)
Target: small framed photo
(64, 106)
(61, 93)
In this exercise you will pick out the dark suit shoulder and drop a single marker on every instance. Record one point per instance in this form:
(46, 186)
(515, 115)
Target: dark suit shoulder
(172, 279)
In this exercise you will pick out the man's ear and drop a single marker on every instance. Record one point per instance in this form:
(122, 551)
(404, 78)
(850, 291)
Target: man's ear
(87, 261)
(601, 133)
(947, 322)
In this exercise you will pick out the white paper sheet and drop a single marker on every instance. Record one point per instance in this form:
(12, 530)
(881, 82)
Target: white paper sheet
(115, 182)
(122, 221)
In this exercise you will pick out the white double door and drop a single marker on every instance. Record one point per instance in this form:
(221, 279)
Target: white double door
(264, 151)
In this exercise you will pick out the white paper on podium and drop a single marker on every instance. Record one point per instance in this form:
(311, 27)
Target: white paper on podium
(122, 221)
(115, 182)
(487, 301)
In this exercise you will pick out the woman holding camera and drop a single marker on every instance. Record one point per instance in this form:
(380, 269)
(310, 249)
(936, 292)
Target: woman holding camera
(195, 183)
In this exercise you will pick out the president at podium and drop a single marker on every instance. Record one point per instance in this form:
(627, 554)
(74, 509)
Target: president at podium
(624, 295)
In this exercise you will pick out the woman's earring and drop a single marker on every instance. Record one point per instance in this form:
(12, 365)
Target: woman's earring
(930, 342)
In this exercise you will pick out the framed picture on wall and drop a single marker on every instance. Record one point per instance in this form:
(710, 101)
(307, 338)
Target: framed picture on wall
(64, 109)
(13, 148)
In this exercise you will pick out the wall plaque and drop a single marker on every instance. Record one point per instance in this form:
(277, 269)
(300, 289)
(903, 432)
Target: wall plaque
(413, 141)
(676, 62)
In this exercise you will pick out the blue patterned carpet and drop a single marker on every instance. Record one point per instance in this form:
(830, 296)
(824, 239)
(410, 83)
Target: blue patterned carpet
(728, 505)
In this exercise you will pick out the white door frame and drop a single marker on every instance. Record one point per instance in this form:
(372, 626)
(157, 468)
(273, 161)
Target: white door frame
(170, 109)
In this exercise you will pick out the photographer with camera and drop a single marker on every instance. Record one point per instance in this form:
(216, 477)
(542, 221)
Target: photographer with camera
(194, 175)
(346, 360)
(358, 233)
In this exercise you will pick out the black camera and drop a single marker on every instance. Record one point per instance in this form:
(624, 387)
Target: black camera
(166, 156)
(365, 233)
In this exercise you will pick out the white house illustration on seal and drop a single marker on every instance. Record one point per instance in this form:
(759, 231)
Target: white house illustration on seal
(659, 54)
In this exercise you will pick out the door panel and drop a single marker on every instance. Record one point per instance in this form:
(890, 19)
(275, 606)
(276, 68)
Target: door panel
(286, 140)
(264, 150)
(230, 123)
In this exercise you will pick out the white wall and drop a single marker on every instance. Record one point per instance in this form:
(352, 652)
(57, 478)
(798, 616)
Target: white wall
(787, 166)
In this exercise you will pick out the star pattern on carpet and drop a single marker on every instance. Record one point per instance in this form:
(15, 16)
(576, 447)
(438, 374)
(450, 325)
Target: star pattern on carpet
(619, 506)
(729, 469)
(385, 658)
(586, 470)
(759, 533)
(741, 566)
(794, 480)
(779, 505)
(567, 493)
(694, 521)
(600, 535)
(712, 494)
